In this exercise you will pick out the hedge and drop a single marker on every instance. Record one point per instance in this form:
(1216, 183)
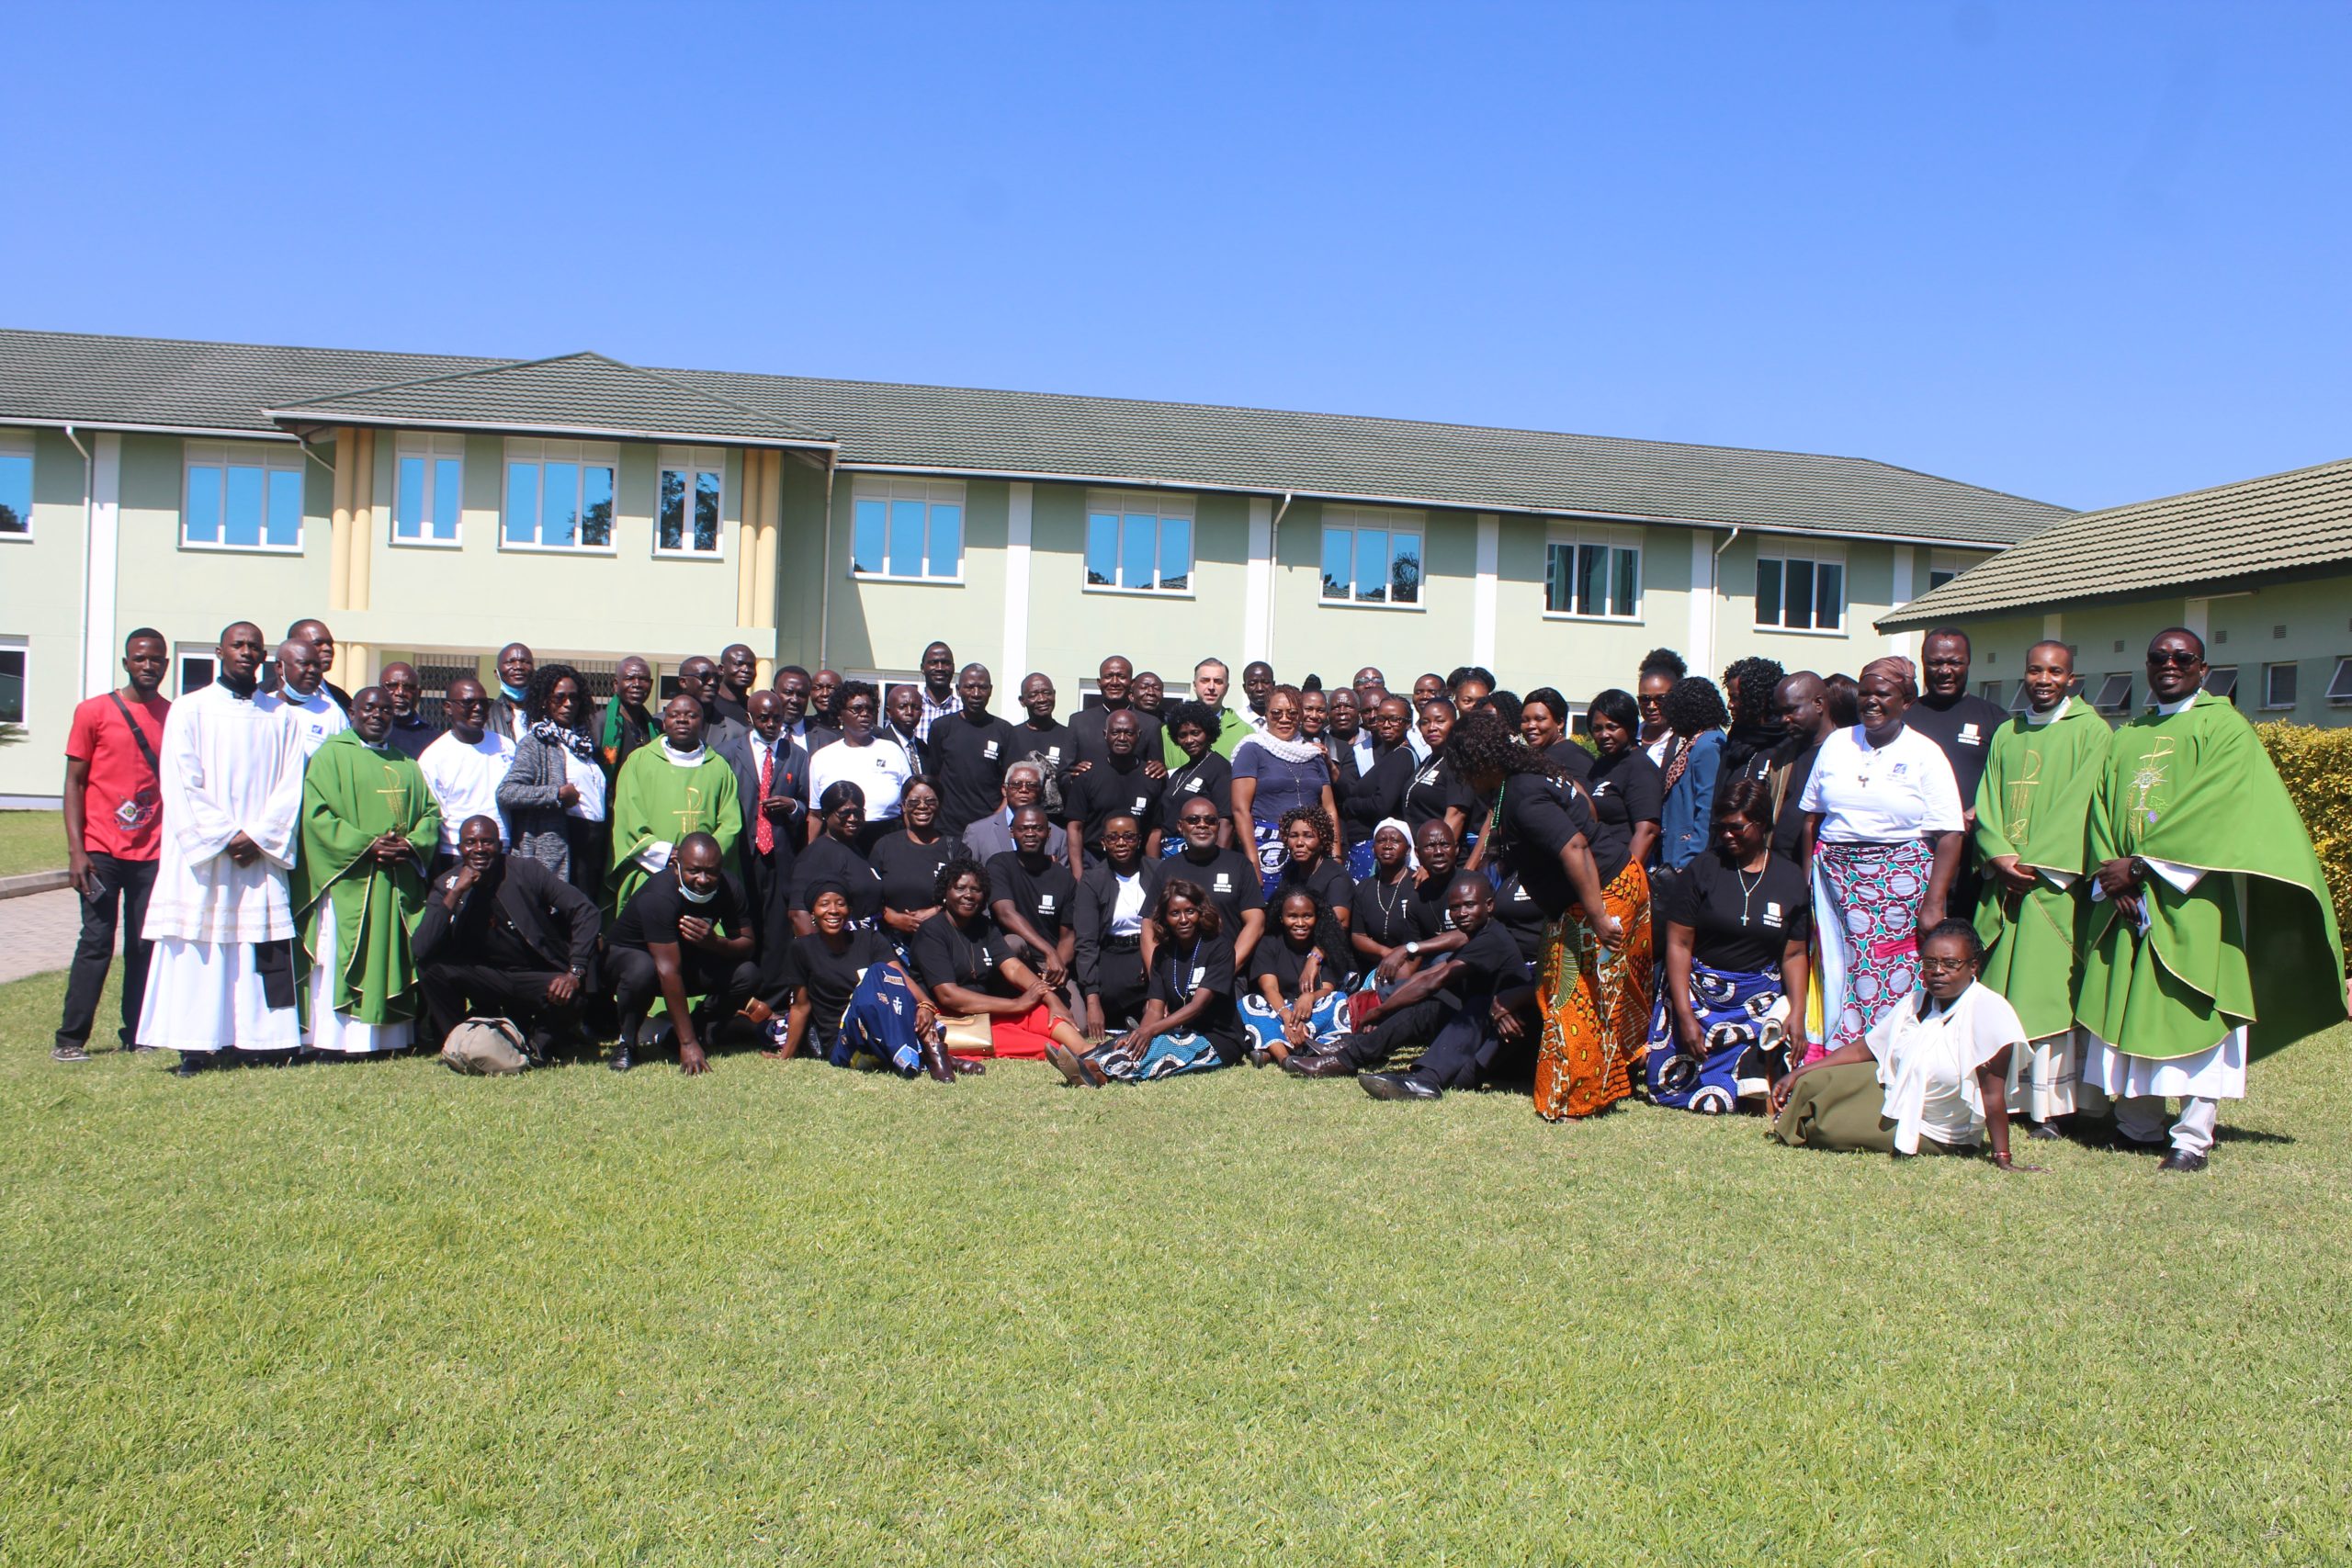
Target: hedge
(2317, 767)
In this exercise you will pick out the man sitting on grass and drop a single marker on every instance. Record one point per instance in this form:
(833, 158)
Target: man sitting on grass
(668, 941)
(504, 935)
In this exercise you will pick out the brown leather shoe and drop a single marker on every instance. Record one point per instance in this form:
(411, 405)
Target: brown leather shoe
(1323, 1064)
(935, 1062)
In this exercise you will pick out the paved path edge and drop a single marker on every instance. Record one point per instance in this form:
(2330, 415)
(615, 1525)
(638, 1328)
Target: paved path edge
(31, 883)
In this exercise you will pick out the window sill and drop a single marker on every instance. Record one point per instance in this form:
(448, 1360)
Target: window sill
(200, 546)
(15, 536)
(1118, 592)
(1361, 604)
(399, 543)
(910, 581)
(715, 556)
(510, 547)
(1802, 631)
(1594, 620)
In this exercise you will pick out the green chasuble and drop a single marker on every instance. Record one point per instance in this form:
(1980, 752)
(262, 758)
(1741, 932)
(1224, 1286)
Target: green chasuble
(655, 801)
(353, 794)
(2254, 943)
(2036, 794)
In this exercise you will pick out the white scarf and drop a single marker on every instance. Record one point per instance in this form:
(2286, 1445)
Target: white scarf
(678, 759)
(1292, 751)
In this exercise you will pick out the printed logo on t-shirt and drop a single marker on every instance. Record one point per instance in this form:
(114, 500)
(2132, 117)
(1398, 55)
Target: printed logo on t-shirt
(1518, 894)
(1771, 914)
(1045, 903)
(1200, 973)
(988, 751)
(1192, 786)
(1053, 753)
(1897, 771)
(1968, 735)
(1141, 802)
(1223, 883)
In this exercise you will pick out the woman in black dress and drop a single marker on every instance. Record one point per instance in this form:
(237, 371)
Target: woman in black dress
(1190, 1024)
(1628, 791)
(908, 861)
(834, 856)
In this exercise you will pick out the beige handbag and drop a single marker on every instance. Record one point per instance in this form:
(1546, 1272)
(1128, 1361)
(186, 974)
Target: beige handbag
(968, 1034)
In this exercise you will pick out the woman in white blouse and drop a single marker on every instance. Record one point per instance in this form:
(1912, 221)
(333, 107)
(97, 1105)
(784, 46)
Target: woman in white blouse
(1931, 1076)
(1884, 833)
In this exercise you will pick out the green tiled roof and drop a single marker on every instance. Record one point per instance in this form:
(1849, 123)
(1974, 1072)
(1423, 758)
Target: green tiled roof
(50, 377)
(2283, 522)
(574, 394)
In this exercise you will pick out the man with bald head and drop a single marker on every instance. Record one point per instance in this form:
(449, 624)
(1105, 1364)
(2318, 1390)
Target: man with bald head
(411, 732)
(1370, 686)
(464, 767)
(699, 678)
(771, 782)
(626, 722)
(301, 699)
(502, 936)
(971, 751)
(314, 632)
(220, 916)
(516, 664)
(1114, 679)
(739, 670)
(1800, 703)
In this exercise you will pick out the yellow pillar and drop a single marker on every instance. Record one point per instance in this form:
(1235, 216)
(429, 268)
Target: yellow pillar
(746, 546)
(771, 519)
(339, 547)
(362, 521)
(355, 665)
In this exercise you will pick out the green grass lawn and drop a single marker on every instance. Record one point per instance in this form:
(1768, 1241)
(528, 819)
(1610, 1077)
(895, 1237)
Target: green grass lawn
(784, 1314)
(31, 840)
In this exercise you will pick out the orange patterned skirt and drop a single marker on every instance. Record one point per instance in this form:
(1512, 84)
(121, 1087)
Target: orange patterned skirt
(1596, 1004)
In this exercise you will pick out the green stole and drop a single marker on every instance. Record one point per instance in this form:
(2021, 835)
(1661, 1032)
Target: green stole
(353, 794)
(2034, 803)
(657, 802)
(2196, 788)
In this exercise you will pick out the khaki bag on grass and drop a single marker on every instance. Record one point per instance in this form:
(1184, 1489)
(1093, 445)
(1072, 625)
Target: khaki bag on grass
(492, 1047)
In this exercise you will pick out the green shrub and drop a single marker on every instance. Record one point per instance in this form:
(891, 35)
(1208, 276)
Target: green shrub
(2317, 767)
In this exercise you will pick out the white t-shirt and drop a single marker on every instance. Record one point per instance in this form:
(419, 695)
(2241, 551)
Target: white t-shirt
(315, 718)
(1928, 1065)
(1126, 906)
(584, 775)
(464, 779)
(1882, 794)
(881, 770)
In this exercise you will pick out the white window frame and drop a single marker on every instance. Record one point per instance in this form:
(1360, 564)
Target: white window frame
(1612, 540)
(182, 653)
(1348, 519)
(24, 719)
(691, 462)
(588, 454)
(1124, 504)
(1947, 565)
(13, 445)
(1817, 554)
(2221, 680)
(2339, 684)
(432, 451)
(888, 487)
(223, 455)
(2270, 671)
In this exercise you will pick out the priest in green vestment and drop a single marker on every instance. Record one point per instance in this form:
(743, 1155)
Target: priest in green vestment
(369, 830)
(2041, 771)
(2212, 938)
(676, 787)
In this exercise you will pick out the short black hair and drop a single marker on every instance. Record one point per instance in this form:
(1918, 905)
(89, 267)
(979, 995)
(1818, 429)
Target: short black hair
(1664, 661)
(1693, 706)
(1959, 931)
(1751, 682)
(957, 868)
(142, 631)
(2179, 631)
(1947, 631)
(1617, 706)
(1194, 713)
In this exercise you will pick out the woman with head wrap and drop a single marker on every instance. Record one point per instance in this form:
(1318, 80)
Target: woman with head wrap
(1883, 834)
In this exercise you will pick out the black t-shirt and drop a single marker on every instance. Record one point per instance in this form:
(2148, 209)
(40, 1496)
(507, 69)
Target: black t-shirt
(1054, 745)
(1045, 898)
(910, 871)
(653, 914)
(1425, 905)
(1379, 793)
(1329, 882)
(1486, 963)
(1179, 969)
(1739, 920)
(1538, 817)
(1230, 877)
(944, 954)
(1569, 758)
(1627, 789)
(1088, 727)
(830, 860)
(1516, 912)
(1287, 965)
(1211, 776)
(1384, 911)
(1788, 825)
(1103, 792)
(1963, 728)
(1435, 791)
(971, 759)
(829, 977)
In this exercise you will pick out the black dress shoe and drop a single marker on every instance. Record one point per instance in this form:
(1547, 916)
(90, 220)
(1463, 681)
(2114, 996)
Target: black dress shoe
(2042, 1130)
(2181, 1160)
(935, 1062)
(621, 1060)
(191, 1064)
(1323, 1064)
(1398, 1086)
(2135, 1147)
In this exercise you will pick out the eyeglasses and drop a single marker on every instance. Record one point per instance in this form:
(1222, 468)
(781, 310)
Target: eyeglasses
(1942, 966)
(2179, 656)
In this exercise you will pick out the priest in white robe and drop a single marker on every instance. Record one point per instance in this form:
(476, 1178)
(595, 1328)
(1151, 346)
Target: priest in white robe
(222, 975)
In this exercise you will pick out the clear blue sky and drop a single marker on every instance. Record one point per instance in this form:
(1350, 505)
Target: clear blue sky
(2086, 252)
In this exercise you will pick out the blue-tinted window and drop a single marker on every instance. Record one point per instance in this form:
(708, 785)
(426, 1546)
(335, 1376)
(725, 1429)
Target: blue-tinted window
(1142, 542)
(16, 493)
(596, 506)
(284, 526)
(947, 557)
(427, 496)
(906, 537)
(203, 515)
(1367, 562)
(242, 507)
(906, 528)
(559, 504)
(522, 503)
(868, 550)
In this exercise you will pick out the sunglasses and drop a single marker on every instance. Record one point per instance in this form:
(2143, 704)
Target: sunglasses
(2179, 656)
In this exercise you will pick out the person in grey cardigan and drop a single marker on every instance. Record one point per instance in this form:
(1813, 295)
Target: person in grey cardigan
(554, 790)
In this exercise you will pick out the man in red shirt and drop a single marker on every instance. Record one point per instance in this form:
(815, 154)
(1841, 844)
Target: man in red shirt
(113, 833)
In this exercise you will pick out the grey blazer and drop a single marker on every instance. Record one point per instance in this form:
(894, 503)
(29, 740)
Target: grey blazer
(542, 831)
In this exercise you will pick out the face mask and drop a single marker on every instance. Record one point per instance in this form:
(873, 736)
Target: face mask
(693, 897)
(514, 693)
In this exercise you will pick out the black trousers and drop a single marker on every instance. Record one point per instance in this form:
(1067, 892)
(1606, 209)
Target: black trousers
(767, 878)
(117, 888)
(456, 992)
(1122, 987)
(724, 983)
(1461, 1048)
(1415, 1025)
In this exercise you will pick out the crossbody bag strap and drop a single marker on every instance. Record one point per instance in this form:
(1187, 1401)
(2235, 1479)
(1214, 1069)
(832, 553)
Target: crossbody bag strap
(138, 734)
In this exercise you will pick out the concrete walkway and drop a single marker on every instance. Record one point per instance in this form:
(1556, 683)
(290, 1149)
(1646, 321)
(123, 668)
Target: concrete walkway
(37, 933)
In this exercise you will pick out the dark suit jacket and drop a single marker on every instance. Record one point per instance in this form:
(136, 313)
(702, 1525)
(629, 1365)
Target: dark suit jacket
(543, 911)
(791, 781)
(1098, 893)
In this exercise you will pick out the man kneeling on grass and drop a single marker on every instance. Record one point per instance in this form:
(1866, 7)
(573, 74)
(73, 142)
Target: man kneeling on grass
(668, 941)
(503, 934)
(1462, 1004)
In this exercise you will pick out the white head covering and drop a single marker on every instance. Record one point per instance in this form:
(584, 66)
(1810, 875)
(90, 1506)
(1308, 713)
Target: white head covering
(1412, 859)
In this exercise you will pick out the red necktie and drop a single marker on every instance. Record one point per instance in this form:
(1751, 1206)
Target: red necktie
(763, 831)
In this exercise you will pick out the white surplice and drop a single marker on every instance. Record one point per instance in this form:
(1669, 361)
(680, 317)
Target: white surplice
(228, 766)
(315, 718)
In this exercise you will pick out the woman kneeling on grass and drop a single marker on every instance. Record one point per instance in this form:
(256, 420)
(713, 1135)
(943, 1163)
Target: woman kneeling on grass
(1297, 974)
(1931, 1076)
(1190, 1024)
(967, 963)
(851, 994)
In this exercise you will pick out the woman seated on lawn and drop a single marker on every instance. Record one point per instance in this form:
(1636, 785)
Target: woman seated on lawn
(1380, 910)
(1931, 1076)
(1298, 977)
(1314, 866)
(1736, 924)
(965, 961)
(850, 993)
(1190, 1024)
(833, 856)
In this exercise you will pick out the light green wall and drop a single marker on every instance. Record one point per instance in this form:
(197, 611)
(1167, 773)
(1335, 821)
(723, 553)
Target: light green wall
(1073, 627)
(2242, 629)
(41, 601)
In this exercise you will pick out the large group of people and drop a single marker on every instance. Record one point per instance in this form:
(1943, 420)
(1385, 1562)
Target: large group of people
(1877, 910)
